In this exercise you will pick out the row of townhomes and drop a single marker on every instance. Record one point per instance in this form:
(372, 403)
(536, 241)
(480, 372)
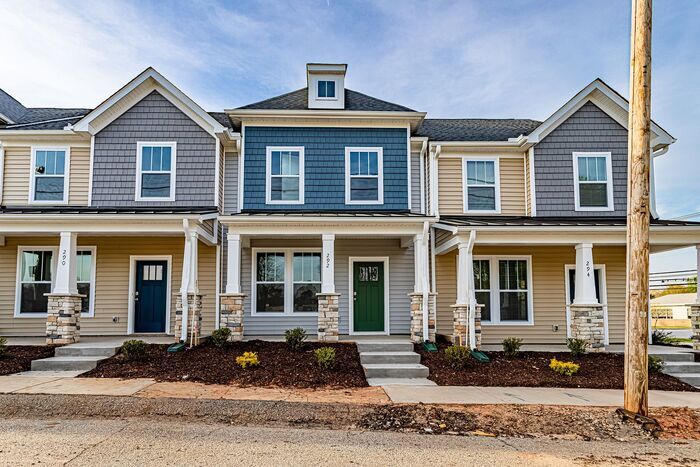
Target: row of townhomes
(323, 208)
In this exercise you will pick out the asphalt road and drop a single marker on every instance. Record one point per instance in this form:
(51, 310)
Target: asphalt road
(145, 442)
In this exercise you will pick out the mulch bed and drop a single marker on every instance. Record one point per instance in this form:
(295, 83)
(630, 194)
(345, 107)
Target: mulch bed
(279, 366)
(531, 369)
(19, 357)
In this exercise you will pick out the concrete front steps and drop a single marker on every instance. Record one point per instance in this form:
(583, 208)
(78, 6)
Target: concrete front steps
(682, 365)
(392, 363)
(80, 357)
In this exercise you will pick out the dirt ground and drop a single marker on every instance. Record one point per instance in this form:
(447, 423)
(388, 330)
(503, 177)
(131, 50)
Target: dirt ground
(19, 357)
(531, 369)
(279, 366)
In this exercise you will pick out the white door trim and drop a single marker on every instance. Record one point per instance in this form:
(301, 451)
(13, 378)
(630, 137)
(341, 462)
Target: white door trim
(603, 296)
(132, 288)
(351, 301)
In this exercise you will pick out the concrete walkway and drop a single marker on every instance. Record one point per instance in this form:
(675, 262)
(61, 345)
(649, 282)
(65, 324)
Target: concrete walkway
(544, 396)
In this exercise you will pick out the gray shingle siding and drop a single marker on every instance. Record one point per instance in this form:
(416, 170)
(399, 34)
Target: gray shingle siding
(589, 129)
(154, 118)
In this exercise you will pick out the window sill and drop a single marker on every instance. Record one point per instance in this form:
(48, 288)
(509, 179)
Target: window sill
(284, 313)
(160, 200)
(508, 323)
(284, 202)
(360, 203)
(492, 213)
(593, 209)
(44, 315)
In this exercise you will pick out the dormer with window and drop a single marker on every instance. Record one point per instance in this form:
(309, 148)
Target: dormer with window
(326, 85)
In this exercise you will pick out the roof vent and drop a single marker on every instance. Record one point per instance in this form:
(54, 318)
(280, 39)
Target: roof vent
(326, 85)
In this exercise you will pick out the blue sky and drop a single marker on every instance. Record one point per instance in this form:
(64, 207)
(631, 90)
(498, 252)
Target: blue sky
(451, 59)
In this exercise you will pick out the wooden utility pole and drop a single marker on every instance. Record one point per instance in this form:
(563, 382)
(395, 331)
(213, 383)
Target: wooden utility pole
(637, 306)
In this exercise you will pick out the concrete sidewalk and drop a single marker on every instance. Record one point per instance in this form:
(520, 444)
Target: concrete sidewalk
(51, 383)
(522, 395)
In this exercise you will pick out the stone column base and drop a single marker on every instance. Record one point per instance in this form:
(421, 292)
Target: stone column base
(417, 317)
(194, 308)
(588, 322)
(63, 318)
(695, 324)
(460, 324)
(231, 314)
(328, 316)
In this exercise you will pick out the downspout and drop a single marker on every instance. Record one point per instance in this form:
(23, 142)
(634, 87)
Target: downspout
(470, 289)
(424, 280)
(185, 280)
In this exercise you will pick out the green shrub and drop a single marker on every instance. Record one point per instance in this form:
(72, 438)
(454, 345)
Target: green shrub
(325, 357)
(134, 349)
(564, 368)
(248, 359)
(511, 346)
(295, 338)
(3, 346)
(457, 356)
(577, 347)
(660, 337)
(656, 364)
(219, 337)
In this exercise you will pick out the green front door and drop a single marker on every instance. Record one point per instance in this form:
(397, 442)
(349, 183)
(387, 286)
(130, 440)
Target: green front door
(368, 307)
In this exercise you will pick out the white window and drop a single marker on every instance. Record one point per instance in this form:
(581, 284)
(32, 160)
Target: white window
(325, 89)
(49, 175)
(286, 281)
(36, 268)
(284, 169)
(504, 286)
(364, 175)
(593, 185)
(481, 186)
(155, 171)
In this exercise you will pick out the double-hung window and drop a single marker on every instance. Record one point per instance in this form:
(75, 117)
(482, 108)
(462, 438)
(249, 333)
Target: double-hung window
(35, 278)
(286, 281)
(364, 177)
(285, 175)
(155, 178)
(504, 287)
(593, 189)
(481, 190)
(49, 175)
(326, 89)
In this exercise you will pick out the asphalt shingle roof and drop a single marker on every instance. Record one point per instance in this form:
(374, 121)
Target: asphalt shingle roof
(298, 100)
(475, 129)
(10, 107)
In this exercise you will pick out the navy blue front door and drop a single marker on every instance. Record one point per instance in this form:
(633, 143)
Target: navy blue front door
(151, 296)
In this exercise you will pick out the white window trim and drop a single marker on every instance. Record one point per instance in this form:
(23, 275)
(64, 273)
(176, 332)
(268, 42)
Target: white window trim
(66, 175)
(319, 98)
(495, 291)
(603, 298)
(496, 185)
(609, 182)
(268, 174)
(288, 282)
(54, 249)
(173, 158)
(379, 176)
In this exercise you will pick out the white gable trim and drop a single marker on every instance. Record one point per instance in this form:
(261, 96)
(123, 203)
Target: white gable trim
(609, 101)
(146, 82)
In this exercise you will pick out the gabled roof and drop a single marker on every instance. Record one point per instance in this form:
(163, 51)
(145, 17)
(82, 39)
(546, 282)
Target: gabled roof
(134, 91)
(475, 129)
(15, 116)
(298, 100)
(609, 101)
(10, 108)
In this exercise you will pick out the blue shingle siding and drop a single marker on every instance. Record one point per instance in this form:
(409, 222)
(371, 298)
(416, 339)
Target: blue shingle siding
(589, 129)
(154, 118)
(324, 160)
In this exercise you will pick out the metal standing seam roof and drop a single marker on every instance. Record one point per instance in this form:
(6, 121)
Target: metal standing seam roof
(573, 221)
(299, 100)
(105, 210)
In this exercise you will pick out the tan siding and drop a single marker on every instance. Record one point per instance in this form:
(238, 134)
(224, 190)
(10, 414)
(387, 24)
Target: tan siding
(111, 282)
(17, 175)
(512, 186)
(549, 292)
(450, 196)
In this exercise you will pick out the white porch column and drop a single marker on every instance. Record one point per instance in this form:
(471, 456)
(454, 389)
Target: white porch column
(697, 268)
(328, 264)
(193, 283)
(585, 278)
(65, 283)
(233, 263)
(418, 263)
(464, 260)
